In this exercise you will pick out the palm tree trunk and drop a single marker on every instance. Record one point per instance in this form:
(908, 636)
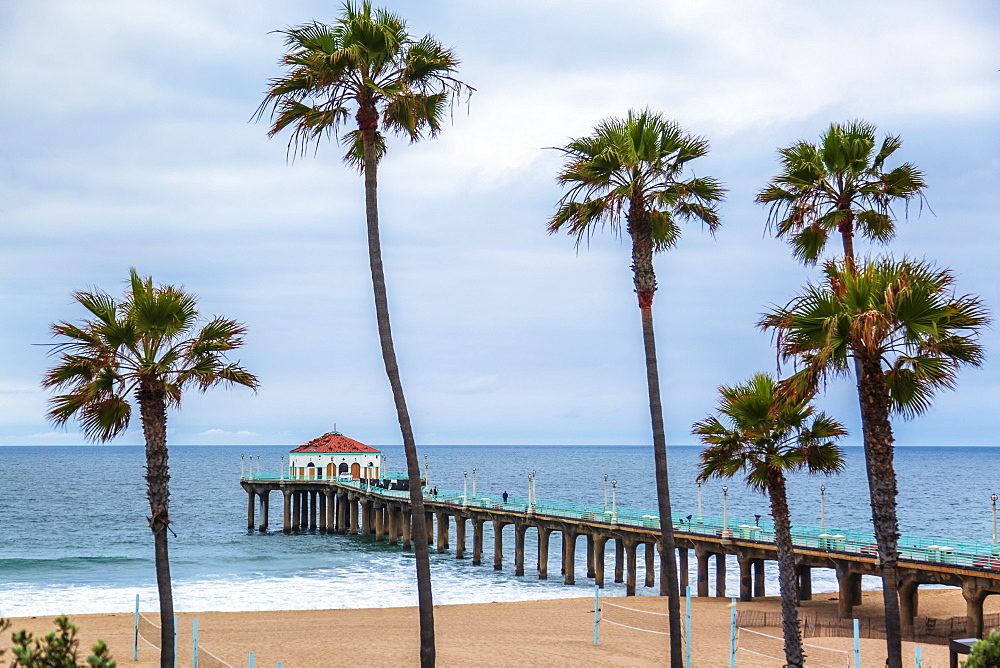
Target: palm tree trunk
(874, 399)
(882, 488)
(667, 543)
(645, 286)
(367, 124)
(846, 229)
(794, 658)
(152, 408)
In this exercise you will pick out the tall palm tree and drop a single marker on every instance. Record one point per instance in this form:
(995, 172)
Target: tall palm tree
(766, 437)
(908, 334)
(145, 347)
(631, 171)
(842, 184)
(367, 63)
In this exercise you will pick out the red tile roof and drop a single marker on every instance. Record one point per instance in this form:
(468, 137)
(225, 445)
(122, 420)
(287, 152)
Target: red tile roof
(335, 442)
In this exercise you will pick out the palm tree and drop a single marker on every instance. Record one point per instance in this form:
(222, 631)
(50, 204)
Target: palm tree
(367, 63)
(145, 347)
(840, 184)
(908, 334)
(766, 437)
(632, 170)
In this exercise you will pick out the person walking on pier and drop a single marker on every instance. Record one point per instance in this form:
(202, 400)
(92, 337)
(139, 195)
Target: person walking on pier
(505, 496)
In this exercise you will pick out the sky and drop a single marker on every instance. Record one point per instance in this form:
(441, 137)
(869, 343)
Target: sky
(126, 140)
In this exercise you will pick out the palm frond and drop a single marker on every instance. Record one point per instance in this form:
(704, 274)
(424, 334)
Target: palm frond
(835, 184)
(763, 431)
(903, 315)
(632, 168)
(365, 60)
(140, 341)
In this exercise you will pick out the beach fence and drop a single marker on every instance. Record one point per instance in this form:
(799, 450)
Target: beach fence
(148, 631)
(201, 657)
(635, 619)
(924, 630)
(772, 645)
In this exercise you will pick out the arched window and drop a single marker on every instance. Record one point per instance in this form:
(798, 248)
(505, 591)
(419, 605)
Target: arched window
(343, 468)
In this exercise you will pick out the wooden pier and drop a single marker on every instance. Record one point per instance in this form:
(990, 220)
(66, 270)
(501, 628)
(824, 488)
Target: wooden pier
(351, 507)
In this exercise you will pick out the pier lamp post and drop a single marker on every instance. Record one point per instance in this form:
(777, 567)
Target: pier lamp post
(465, 489)
(530, 509)
(605, 492)
(725, 509)
(427, 472)
(822, 506)
(474, 482)
(281, 468)
(242, 474)
(993, 498)
(258, 465)
(699, 503)
(614, 502)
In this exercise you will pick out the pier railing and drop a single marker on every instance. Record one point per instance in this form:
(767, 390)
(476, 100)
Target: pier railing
(913, 548)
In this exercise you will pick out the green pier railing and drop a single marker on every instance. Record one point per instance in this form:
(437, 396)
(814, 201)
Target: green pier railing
(913, 548)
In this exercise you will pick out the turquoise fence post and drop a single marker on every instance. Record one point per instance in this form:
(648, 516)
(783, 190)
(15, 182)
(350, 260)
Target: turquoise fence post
(919, 663)
(175, 641)
(597, 615)
(135, 649)
(732, 634)
(250, 663)
(857, 644)
(194, 643)
(687, 626)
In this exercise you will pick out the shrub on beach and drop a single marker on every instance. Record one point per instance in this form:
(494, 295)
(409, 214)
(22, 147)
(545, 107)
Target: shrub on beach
(55, 650)
(986, 652)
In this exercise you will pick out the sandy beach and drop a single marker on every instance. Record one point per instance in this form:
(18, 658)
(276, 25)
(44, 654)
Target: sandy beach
(531, 633)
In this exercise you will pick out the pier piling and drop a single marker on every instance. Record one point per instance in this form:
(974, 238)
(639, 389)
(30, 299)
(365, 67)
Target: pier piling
(459, 537)
(543, 553)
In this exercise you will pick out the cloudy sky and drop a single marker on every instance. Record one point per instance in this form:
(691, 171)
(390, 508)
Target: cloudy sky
(127, 140)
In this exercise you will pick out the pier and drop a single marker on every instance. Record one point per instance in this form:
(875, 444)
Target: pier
(337, 505)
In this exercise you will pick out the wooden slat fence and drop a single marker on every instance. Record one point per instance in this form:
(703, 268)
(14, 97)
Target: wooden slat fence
(928, 630)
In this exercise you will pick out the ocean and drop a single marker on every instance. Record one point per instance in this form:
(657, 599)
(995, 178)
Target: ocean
(74, 537)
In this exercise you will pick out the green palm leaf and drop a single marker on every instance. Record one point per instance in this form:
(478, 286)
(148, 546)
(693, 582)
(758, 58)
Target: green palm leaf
(839, 185)
(365, 64)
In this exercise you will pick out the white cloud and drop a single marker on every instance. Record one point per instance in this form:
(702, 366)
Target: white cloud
(133, 147)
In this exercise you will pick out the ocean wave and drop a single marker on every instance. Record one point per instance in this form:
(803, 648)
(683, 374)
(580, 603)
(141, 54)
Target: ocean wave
(10, 567)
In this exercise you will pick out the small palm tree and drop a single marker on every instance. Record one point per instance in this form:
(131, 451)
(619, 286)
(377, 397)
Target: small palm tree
(767, 437)
(145, 348)
(367, 63)
(908, 334)
(631, 171)
(840, 184)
